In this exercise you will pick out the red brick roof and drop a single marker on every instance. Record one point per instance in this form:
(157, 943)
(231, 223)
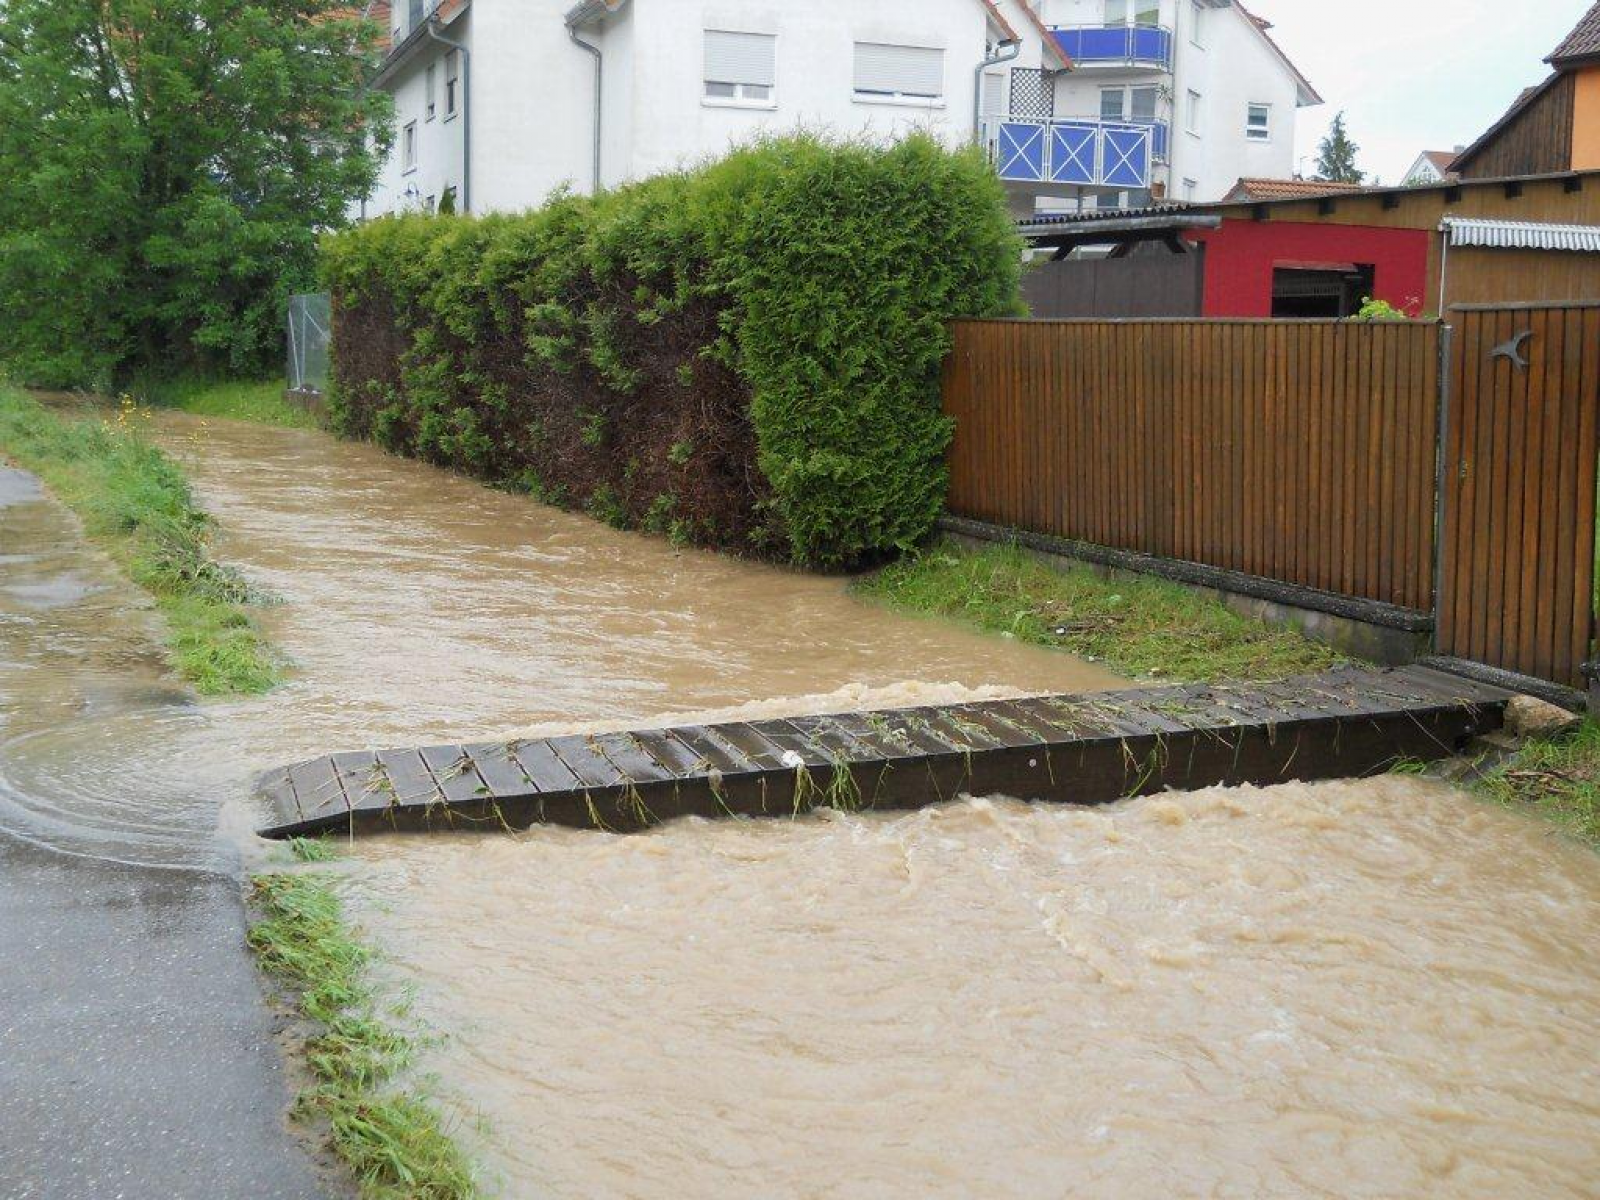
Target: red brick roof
(1583, 42)
(1285, 189)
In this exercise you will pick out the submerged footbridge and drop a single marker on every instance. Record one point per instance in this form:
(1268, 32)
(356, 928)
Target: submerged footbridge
(1067, 749)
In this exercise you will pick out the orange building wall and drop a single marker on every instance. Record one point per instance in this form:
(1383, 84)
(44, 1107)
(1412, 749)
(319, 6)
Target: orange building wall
(1586, 120)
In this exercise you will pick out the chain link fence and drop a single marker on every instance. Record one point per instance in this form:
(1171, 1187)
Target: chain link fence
(310, 322)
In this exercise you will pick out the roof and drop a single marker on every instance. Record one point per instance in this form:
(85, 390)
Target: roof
(1308, 94)
(1285, 189)
(1582, 43)
(1525, 98)
(1521, 235)
(1441, 160)
(1032, 226)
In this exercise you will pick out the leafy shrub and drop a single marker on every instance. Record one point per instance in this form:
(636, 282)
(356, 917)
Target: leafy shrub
(781, 311)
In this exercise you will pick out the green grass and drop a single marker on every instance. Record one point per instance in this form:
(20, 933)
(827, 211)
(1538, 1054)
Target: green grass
(392, 1139)
(134, 501)
(1133, 627)
(1558, 779)
(240, 400)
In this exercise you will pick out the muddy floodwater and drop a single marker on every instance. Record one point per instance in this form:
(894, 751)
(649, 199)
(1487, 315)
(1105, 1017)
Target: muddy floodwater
(1378, 989)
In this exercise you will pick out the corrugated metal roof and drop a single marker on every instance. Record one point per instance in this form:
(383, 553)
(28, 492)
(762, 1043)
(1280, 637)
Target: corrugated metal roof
(1521, 235)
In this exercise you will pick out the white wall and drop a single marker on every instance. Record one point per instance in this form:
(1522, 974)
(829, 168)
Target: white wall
(673, 123)
(1236, 68)
(438, 141)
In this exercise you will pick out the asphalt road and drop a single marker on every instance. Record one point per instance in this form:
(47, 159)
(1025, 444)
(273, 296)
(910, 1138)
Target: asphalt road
(137, 1059)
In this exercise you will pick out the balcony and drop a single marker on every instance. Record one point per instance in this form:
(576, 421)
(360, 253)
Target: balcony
(412, 15)
(1076, 152)
(1139, 47)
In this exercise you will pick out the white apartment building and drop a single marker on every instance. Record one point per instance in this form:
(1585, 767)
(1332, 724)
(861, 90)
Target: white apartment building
(1098, 102)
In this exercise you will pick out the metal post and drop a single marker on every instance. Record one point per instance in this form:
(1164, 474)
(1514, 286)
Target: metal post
(1441, 466)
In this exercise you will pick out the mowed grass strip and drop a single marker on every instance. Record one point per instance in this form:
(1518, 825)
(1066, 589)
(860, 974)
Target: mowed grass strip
(135, 502)
(1135, 627)
(391, 1139)
(261, 401)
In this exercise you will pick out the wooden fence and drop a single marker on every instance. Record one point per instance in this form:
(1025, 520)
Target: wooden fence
(1519, 490)
(1300, 451)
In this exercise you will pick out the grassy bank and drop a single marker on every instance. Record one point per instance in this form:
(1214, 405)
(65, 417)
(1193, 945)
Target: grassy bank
(392, 1140)
(238, 399)
(134, 501)
(1557, 779)
(1134, 627)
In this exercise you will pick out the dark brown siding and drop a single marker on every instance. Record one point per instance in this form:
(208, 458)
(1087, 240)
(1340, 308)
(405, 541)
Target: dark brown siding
(1296, 451)
(1519, 498)
(1537, 140)
(1164, 285)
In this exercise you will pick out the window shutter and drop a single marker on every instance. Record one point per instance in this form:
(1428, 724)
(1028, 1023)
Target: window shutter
(994, 94)
(741, 58)
(902, 70)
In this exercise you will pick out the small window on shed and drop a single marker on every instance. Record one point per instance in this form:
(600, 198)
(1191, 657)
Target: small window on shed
(889, 72)
(741, 66)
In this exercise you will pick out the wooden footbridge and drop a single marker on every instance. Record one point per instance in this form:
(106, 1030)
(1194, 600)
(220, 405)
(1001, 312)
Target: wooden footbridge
(1087, 749)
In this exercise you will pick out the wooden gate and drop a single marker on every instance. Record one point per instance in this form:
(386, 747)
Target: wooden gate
(1516, 588)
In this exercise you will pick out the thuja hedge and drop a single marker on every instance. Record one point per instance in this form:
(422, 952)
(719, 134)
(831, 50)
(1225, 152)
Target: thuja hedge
(744, 355)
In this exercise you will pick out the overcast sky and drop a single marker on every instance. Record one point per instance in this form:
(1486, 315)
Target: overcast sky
(1414, 75)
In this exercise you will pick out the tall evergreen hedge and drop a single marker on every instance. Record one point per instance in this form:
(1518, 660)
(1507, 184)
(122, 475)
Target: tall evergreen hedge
(744, 355)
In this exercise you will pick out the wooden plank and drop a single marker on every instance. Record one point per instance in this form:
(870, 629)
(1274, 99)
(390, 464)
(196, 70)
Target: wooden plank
(316, 787)
(455, 774)
(497, 766)
(410, 781)
(637, 765)
(544, 767)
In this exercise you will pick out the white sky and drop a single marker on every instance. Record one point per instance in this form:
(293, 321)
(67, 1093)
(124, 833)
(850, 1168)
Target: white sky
(1414, 75)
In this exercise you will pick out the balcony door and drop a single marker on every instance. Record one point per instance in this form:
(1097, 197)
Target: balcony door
(1133, 12)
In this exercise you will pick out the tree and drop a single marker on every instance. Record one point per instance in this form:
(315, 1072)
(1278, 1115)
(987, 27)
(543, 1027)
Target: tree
(168, 166)
(1336, 156)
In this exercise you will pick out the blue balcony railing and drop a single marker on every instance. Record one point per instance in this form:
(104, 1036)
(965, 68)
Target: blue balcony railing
(1116, 45)
(1077, 153)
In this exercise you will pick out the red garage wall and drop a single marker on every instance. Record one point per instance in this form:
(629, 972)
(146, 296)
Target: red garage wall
(1241, 255)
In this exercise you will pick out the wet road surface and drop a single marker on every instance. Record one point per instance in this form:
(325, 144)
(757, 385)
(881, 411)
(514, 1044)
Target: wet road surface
(137, 1059)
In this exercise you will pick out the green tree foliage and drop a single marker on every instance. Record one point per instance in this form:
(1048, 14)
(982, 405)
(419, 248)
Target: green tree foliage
(780, 312)
(1336, 155)
(167, 165)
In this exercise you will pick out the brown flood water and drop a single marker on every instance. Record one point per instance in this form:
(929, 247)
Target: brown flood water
(1376, 989)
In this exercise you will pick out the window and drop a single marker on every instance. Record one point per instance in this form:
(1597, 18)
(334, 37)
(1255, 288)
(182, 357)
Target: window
(429, 90)
(1258, 123)
(408, 147)
(1191, 115)
(1197, 23)
(910, 73)
(1137, 105)
(1133, 12)
(430, 203)
(1190, 187)
(740, 67)
(452, 83)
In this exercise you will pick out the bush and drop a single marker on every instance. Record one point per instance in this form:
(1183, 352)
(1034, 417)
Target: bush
(759, 339)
